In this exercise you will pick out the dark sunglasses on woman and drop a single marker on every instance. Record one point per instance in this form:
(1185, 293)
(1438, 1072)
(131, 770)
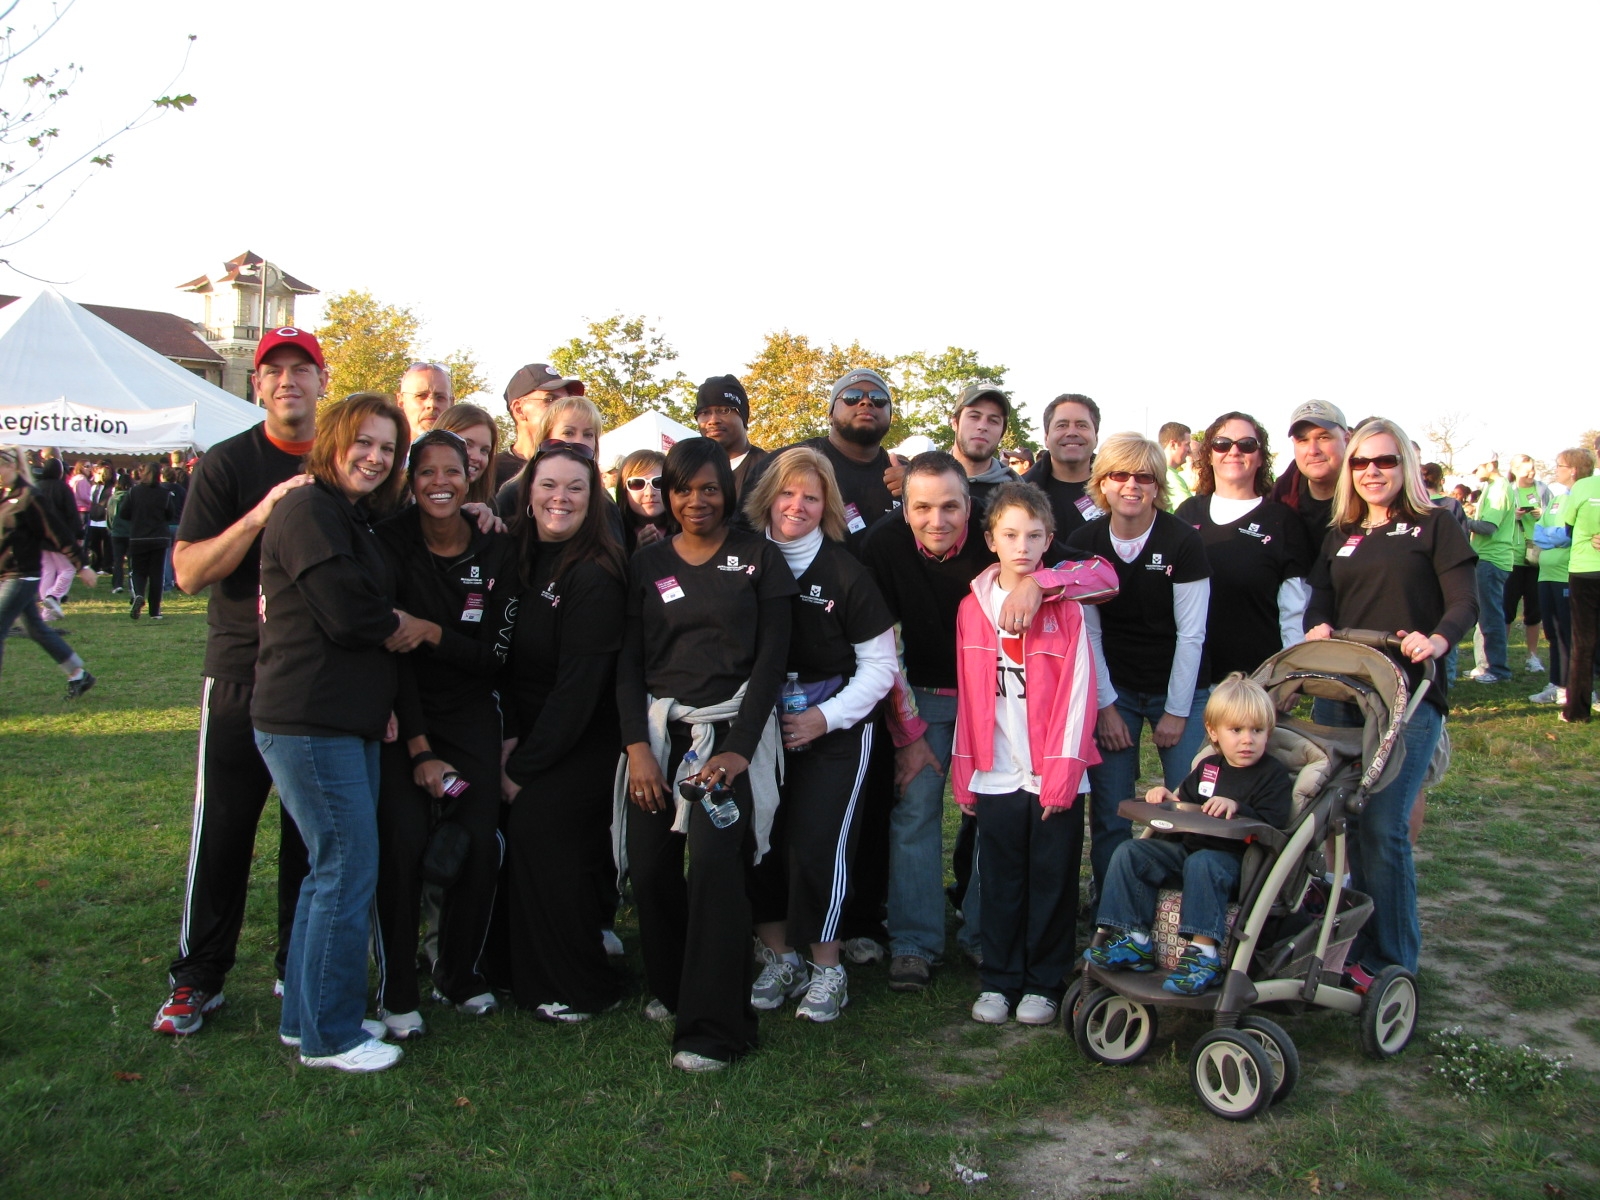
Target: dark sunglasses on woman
(1246, 445)
(1384, 462)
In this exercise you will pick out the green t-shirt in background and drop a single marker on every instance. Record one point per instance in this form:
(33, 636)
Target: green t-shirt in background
(1584, 517)
(1496, 506)
(1553, 563)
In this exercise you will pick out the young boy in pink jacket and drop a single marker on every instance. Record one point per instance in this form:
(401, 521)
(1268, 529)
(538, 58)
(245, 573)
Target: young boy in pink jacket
(1025, 721)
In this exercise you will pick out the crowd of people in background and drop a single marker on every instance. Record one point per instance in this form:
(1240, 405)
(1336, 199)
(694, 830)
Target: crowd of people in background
(497, 687)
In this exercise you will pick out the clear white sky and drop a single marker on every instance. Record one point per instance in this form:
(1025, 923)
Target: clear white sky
(1175, 208)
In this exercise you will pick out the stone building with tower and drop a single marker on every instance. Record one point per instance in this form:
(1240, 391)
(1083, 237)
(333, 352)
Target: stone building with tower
(250, 294)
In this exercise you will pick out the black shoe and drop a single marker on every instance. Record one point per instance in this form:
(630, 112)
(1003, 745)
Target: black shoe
(80, 685)
(136, 608)
(908, 973)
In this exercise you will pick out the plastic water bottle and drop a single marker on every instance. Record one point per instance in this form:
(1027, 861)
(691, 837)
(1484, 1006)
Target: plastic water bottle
(792, 700)
(717, 800)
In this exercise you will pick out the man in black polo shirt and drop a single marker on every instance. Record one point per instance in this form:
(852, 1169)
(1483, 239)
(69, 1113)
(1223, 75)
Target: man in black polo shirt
(1071, 433)
(232, 492)
(924, 565)
(980, 419)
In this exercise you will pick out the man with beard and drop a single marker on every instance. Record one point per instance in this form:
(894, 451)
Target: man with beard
(1071, 433)
(980, 419)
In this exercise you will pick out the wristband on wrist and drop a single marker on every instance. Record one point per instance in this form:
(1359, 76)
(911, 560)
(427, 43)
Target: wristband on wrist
(425, 756)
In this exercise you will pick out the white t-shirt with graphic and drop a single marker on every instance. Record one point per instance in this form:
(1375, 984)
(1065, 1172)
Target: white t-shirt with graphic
(1013, 759)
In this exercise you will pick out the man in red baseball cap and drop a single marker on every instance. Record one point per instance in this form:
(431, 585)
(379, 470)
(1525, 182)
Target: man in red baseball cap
(231, 493)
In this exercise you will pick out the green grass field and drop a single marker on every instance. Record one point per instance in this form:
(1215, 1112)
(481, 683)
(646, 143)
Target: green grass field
(95, 806)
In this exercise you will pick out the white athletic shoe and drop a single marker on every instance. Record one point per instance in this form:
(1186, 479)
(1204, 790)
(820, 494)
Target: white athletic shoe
(864, 951)
(1034, 1009)
(376, 1030)
(657, 1011)
(612, 943)
(1533, 663)
(992, 1008)
(370, 1056)
(477, 1006)
(1550, 695)
(404, 1026)
(826, 997)
(688, 1060)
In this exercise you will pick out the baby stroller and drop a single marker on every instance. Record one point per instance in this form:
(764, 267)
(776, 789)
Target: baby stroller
(1291, 928)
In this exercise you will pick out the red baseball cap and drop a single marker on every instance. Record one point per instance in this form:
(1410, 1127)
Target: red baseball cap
(288, 335)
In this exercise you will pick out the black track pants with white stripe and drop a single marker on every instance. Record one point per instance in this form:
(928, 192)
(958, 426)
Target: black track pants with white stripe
(231, 787)
(807, 877)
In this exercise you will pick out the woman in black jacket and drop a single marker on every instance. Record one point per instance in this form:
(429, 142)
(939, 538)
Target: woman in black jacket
(451, 578)
(148, 511)
(324, 694)
(560, 634)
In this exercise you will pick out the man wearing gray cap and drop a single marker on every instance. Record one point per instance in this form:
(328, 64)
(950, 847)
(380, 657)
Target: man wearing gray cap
(1319, 431)
(528, 394)
(981, 416)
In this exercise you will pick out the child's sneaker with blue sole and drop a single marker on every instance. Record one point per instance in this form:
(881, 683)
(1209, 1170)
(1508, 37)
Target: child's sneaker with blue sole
(1123, 953)
(1194, 973)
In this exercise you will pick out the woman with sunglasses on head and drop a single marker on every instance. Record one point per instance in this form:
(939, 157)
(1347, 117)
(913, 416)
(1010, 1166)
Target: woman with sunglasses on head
(639, 498)
(560, 632)
(481, 437)
(325, 689)
(451, 578)
(1149, 640)
(28, 528)
(1256, 548)
(707, 638)
(1392, 562)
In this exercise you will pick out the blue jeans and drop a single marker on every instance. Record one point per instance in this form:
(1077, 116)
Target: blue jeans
(1492, 619)
(20, 598)
(330, 787)
(916, 842)
(1114, 779)
(1380, 853)
(1143, 865)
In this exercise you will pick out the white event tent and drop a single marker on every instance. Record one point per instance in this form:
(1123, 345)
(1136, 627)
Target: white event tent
(70, 380)
(648, 431)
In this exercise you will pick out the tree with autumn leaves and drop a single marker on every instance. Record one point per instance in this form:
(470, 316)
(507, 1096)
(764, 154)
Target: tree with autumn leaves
(368, 345)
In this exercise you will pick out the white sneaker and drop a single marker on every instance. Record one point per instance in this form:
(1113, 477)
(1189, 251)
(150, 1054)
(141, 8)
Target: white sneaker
(371, 1055)
(373, 1029)
(403, 1026)
(657, 1011)
(1034, 1009)
(477, 1006)
(555, 1011)
(1533, 663)
(277, 988)
(1550, 695)
(780, 980)
(688, 1060)
(612, 943)
(864, 951)
(827, 996)
(992, 1008)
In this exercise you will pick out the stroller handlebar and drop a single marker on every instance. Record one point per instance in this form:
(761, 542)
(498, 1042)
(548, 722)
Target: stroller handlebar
(1178, 817)
(1390, 645)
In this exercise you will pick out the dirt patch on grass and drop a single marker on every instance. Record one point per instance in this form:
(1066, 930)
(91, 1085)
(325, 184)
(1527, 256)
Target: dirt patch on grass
(1075, 1157)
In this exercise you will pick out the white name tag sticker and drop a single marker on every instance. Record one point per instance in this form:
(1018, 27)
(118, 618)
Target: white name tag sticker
(1349, 548)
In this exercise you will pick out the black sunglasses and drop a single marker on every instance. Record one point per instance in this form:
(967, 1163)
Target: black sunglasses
(581, 449)
(1384, 462)
(1143, 478)
(854, 396)
(638, 483)
(1246, 445)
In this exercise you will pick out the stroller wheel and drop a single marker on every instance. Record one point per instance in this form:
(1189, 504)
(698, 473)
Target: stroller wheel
(1389, 1013)
(1231, 1073)
(1072, 1002)
(1110, 1028)
(1281, 1053)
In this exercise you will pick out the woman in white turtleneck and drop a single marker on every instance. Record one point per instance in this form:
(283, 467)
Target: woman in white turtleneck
(841, 650)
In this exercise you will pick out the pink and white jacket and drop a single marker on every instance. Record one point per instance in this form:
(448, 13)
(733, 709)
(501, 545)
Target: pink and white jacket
(1059, 669)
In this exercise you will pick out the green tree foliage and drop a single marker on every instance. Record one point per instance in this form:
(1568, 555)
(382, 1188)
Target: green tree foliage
(41, 166)
(927, 386)
(788, 383)
(368, 346)
(623, 362)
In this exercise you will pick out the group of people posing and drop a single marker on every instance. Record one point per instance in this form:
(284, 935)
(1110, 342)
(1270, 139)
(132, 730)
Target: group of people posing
(488, 688)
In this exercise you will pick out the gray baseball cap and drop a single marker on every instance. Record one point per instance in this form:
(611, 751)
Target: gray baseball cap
(855, 378)
(1317, 412)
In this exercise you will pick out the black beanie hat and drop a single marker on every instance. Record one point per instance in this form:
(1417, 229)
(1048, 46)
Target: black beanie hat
(720, 391)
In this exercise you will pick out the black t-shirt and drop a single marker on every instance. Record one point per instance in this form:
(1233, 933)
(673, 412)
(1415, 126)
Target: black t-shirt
(1069, 501)
(1139, 627)
(924, 595)
(1249, 558)
(1316, 515)
(453, 691)
(1411, 575)
(560, 641)
(327, 607)
(866, 497)
(1264, 791)
(838, 606)
(699, 626)
(233, 477)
